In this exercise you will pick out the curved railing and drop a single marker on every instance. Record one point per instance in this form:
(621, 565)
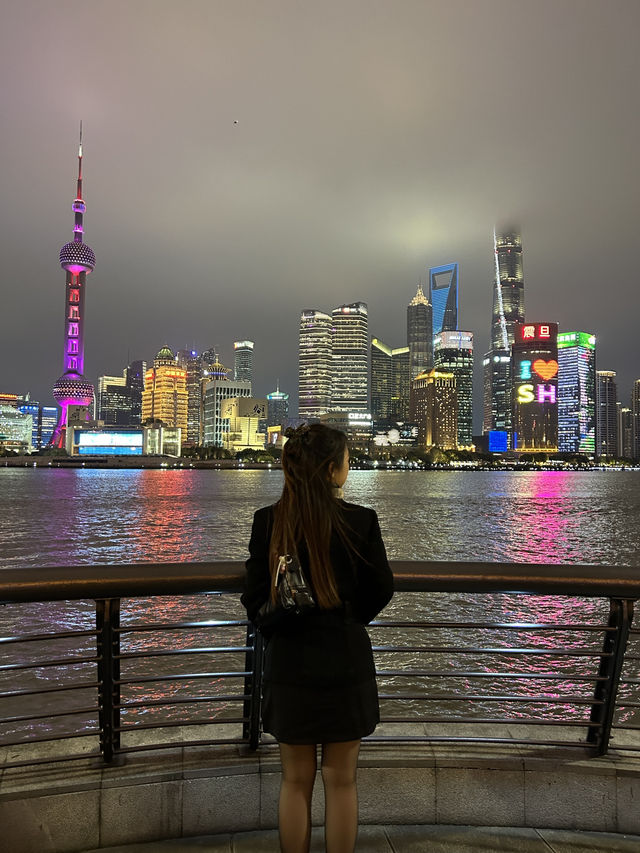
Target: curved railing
(138, 682)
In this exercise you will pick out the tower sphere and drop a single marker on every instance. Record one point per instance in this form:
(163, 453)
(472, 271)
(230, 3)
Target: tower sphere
(77, 258)
(74, 389)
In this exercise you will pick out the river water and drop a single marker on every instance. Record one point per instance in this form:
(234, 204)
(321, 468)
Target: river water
(86, 516)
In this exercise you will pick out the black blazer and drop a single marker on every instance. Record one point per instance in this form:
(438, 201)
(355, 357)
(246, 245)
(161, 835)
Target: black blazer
(364, 578)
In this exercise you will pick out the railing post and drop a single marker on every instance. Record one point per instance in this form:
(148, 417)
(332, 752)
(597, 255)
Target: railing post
(253, 686)
(108, 646)
(611, 663)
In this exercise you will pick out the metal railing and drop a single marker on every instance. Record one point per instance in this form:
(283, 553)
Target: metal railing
(107, 684)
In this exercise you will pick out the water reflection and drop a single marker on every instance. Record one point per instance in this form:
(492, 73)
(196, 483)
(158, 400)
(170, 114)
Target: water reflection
(58, 517)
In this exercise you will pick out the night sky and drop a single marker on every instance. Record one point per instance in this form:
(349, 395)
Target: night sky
(246, 160)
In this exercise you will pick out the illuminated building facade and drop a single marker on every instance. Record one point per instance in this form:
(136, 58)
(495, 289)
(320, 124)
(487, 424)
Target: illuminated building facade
(243, 416)
(72, 390)
(350, 358)
(165, 392)
(243, 360)
(44, 420)
(16, 429)
(496, 409)
(606, 414)
(635, 420)
(193, 364)
(135, 373)
(625, 433)
(534, 370)
(507, 312)
(357, 426)
(420, 334)
(453, 353)
(314, 364)
(113, 401)
(277, 408)
(217, 388)
(577, 393)
(435, 401)
(389, 382)
(443, 293)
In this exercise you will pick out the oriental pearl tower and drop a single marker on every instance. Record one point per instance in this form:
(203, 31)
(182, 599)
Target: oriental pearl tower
(72, 389)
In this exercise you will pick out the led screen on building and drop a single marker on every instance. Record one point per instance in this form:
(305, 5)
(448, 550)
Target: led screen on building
(103, 443)
(534, 370)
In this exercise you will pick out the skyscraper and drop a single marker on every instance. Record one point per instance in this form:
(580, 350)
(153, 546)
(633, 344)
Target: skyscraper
(193, 364)
(314, 364)
(114, 400)
(577, 392)
(534, 369)
(635, 418)
(606, 414)
(443, 293)
(508, 309)
(135, 383)
(390, 382)
(243, 360)
(420, 334)
(453, 353)
(625, 433)
(277, 408)
(350, 358)
(165, 393)
(435, 402)
(72, 389)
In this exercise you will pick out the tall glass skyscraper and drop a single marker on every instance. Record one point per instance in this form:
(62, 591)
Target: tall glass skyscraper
(534, 371)
(277, 408)
(243, 360)
(606, 414)
(314, 364)
(389, 382)
(420, 334)
(577, 393)
(507, 311)
(443, 293)
(635, 417)
(453, 353)
(350, 358)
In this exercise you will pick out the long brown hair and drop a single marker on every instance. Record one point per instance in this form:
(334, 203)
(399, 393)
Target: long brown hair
(308, 511)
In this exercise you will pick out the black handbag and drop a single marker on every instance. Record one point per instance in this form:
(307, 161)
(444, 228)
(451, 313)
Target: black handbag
(293, 593)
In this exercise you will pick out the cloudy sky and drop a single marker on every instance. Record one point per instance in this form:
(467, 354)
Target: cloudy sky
(245, 160)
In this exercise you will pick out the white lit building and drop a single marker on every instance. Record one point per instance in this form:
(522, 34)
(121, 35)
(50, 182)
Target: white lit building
(314, 364)
(350, 358)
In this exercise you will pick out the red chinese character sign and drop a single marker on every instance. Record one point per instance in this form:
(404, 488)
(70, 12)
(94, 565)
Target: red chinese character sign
(534, 366)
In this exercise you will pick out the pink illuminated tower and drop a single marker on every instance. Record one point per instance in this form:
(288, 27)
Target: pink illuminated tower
(72, 389)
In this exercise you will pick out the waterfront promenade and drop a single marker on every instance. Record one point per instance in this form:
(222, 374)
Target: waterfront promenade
(140, 781)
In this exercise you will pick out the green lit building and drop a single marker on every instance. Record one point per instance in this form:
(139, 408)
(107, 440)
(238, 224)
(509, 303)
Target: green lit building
(577, 392)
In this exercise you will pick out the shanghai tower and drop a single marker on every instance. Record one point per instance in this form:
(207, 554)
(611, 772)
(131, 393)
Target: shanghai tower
(72, 391)
(508, 309)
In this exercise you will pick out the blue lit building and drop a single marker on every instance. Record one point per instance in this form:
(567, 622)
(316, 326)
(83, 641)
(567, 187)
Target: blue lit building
(577, 393)
(44, 420)
(443, 295)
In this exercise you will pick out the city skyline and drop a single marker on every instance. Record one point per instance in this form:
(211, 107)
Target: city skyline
(309, 182)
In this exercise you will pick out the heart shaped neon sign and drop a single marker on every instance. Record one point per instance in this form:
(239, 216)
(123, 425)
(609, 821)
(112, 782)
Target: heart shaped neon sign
(545, 369)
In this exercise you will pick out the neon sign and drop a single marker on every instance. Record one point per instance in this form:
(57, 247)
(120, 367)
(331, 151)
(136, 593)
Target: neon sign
(546, 332)
(544, 393)
(545, 369)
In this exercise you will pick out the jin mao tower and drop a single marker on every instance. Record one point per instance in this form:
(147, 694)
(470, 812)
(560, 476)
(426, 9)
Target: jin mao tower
(72, 391)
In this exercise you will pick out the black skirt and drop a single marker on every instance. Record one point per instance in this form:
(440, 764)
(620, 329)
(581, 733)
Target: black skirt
(319, 681)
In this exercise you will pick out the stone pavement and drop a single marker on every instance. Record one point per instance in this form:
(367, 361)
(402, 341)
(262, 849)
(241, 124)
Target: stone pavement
(408, 839)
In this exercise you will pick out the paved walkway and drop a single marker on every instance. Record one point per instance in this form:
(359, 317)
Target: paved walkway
(409, 839)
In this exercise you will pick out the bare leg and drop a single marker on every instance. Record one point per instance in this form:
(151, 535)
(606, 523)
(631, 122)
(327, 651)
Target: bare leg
(339, 765)
(299, 764)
